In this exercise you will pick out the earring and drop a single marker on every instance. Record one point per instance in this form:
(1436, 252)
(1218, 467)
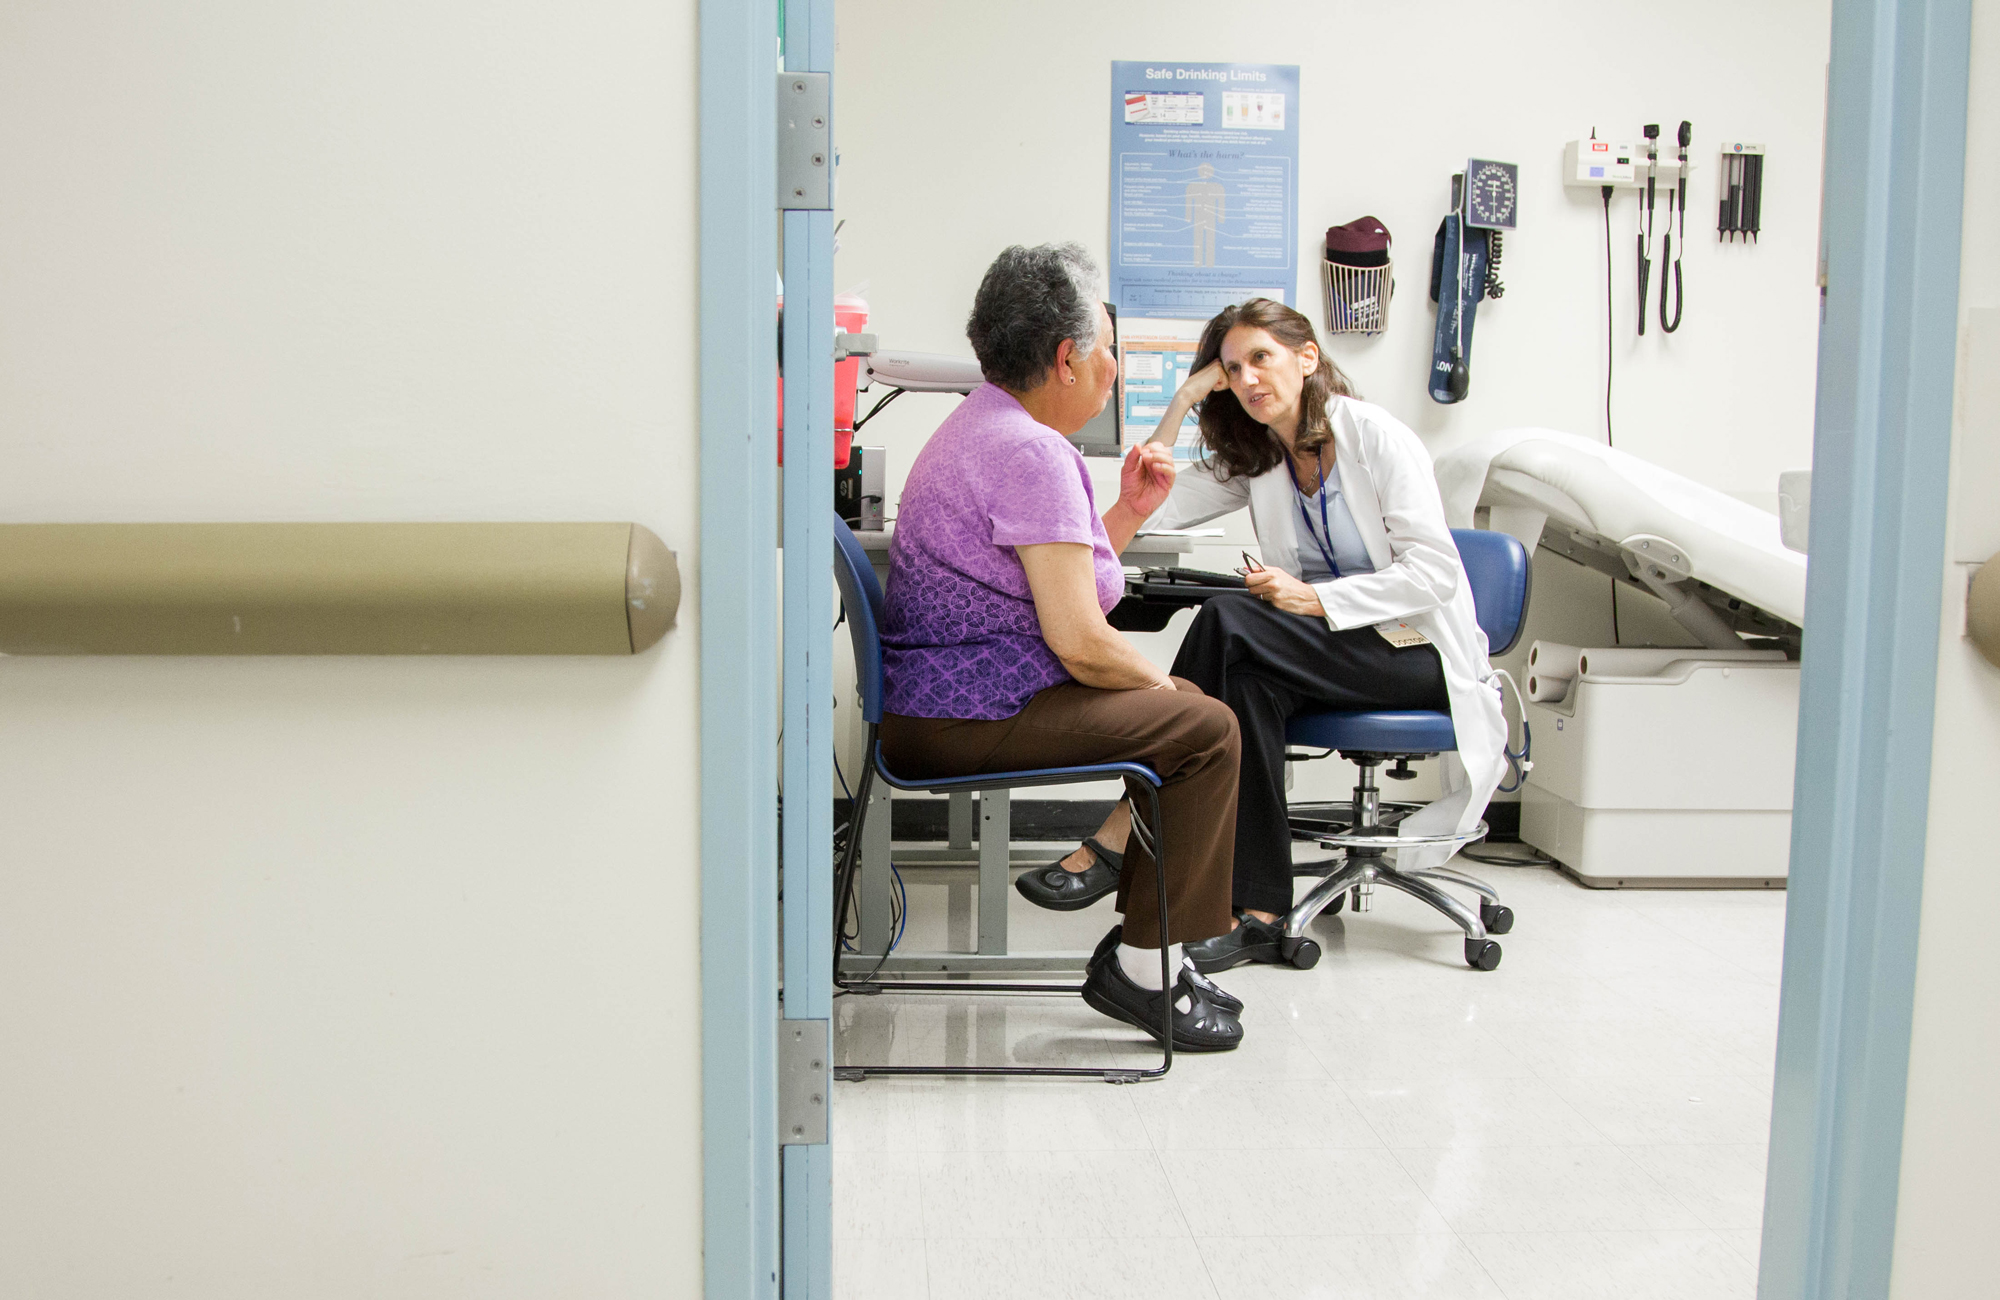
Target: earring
(1070, 380)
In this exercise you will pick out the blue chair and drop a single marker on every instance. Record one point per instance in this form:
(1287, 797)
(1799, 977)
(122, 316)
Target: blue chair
(862, 596)
(1497, 565)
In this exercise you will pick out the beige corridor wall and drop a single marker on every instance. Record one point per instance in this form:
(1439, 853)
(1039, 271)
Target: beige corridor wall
(366, 977)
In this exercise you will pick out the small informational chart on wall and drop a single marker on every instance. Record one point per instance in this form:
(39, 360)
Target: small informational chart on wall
(1155, 357)
(1204, 186)
(1204, 213)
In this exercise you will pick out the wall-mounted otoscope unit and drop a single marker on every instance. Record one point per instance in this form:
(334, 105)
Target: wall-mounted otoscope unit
(1609, 166)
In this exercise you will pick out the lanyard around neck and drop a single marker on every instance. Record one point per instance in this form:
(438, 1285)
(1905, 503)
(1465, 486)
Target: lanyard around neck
(1325, 543)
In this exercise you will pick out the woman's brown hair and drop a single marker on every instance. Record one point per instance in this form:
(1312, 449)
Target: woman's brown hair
(1234, 441)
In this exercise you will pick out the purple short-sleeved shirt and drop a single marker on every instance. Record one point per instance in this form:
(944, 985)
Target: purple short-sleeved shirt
(959, 634)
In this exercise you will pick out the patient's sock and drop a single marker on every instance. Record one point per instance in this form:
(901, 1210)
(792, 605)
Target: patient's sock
(1142, 965)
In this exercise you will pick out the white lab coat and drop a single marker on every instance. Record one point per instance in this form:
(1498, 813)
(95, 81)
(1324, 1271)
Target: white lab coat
(1392, 493)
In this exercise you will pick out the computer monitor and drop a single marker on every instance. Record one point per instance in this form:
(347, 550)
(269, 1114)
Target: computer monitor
(1103, 436)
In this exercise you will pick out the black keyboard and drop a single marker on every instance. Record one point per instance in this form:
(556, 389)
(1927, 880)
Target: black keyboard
(1156, 595)
(1192, 577)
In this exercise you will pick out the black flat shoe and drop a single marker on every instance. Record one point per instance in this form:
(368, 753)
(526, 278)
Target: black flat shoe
(1220, 996)
(1251, 940)
(1202, 1027)
(1070, 891)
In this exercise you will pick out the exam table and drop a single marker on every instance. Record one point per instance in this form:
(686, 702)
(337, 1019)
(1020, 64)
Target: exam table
(1653, 766)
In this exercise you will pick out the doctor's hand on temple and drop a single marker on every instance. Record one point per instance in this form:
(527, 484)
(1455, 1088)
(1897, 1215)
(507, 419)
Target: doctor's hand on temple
(1211, 378)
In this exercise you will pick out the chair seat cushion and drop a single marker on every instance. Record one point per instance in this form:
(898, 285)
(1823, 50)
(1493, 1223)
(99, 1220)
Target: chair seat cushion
(1012, 780)
(1399, 731)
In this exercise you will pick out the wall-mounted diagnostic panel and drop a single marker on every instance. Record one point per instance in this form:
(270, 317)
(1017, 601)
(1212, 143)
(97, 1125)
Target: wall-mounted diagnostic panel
(1592, 164)
(1598, 162)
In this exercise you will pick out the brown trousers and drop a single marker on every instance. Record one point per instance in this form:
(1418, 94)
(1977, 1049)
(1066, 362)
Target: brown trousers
(1185, 736)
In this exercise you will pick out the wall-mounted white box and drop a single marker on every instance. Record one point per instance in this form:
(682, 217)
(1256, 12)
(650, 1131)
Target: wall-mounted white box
(1592, 164)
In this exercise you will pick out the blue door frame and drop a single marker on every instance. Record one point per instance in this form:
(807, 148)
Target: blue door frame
(807, 1263)
(739, 651)
(1894, 194)
(767, 1215)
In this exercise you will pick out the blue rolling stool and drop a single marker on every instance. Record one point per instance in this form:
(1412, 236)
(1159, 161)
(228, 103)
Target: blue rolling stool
(1497, 565)
(862, 596)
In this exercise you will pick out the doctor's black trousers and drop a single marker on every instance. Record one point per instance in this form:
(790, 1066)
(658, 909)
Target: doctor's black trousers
(1267, 665)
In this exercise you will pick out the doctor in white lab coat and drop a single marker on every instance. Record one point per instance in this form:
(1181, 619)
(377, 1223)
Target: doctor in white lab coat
(1353, 537)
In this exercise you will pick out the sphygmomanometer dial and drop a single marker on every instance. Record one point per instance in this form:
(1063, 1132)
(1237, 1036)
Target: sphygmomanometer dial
(1491, 192)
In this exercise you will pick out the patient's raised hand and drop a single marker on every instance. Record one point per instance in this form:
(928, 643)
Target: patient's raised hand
(1146, 478)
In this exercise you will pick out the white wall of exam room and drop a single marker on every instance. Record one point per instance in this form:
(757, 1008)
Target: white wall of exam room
(962, 129)
(343, 977)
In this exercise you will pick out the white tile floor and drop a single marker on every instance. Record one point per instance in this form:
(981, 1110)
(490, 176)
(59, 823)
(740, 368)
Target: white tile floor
(1588, 1120)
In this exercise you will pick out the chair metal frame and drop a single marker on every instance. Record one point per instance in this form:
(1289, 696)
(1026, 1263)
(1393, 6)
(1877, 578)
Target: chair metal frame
(1367, 839)
(863, 598)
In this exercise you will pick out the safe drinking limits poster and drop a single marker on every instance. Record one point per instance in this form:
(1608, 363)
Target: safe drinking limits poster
(1204, 213)
(1204, 186)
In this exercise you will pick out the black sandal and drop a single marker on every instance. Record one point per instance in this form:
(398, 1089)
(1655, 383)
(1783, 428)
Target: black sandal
(1202, 1027)
(1251, 940)
(1220, 996)
(1061, 890)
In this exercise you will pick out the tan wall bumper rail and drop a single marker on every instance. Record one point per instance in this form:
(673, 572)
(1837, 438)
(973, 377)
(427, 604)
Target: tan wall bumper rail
(1982, 610)
(334, 589)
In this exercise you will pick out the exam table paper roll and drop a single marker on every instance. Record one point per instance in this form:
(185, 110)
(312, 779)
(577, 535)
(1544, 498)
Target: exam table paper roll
(334, 589)
(1545, 690)
(1551, 668)
(1553, 660)
(1643, 661)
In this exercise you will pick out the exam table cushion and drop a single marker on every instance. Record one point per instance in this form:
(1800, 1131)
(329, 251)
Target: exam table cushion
(1606, 493)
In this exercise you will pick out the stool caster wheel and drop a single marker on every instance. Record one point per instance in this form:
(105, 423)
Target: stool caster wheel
(1496, 917)
(1482, 954)
(1301, 953)
(1339, 901)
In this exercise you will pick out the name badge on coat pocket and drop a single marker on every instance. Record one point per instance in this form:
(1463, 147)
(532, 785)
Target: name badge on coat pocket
(1401, 635)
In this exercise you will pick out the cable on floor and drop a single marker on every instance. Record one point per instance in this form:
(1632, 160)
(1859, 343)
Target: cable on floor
(1535, 858)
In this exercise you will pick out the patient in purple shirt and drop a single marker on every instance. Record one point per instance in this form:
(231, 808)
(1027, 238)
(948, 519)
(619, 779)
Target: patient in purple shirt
(997, 656)
(960, 638)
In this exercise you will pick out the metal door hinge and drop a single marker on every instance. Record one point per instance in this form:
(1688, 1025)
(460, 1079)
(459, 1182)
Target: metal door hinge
(805, 141)
(802, 1082)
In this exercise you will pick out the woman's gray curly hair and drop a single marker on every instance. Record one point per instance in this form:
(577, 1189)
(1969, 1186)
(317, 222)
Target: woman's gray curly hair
(1029, 302)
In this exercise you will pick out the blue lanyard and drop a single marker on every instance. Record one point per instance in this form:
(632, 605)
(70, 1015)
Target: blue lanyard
(1324, 545)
